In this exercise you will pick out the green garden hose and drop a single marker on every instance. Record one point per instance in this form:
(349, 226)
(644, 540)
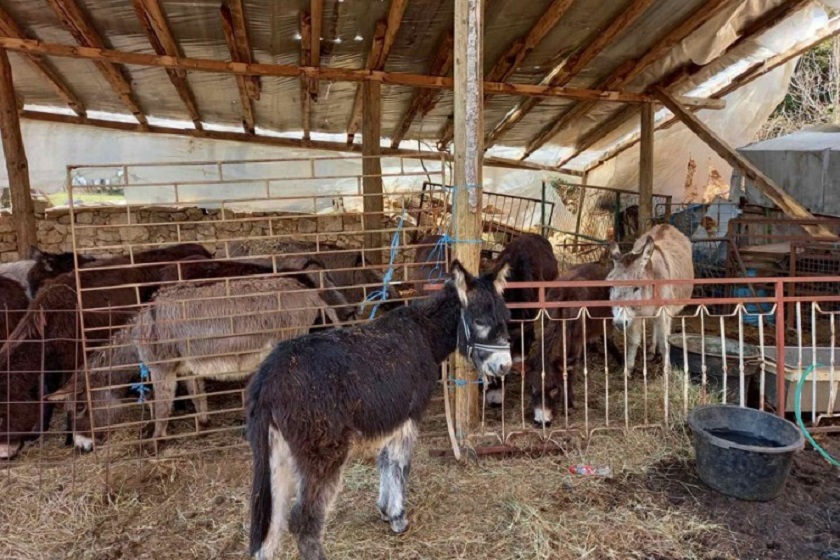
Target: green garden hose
(797, 404)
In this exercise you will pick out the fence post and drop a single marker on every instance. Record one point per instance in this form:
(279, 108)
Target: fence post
(780, 349)
(542, 211)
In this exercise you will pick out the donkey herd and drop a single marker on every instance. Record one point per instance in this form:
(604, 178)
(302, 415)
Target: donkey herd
(319, 383)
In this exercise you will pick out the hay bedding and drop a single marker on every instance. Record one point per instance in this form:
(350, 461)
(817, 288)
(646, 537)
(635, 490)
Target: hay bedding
(193, 503)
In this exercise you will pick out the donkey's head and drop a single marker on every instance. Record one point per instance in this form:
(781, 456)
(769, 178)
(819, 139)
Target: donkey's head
(482, 330)
(634, 265)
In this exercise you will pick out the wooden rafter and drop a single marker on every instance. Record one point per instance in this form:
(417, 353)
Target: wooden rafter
(243, 44)
(305, 60)
(751, 74)
(245, 98)
(763, 183)
(276, 141)
(10, 28)
(333, 74)
(373, 58)
(154, 23)
(316, 16)
(424, 100)
(85, 34)
(625, 73)
(516, 53)
(383, 42)
(681, 76)
(563, 73)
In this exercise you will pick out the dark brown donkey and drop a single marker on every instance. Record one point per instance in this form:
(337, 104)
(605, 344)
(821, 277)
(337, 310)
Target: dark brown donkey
(46, 346)
(316, 396)
(564, 348)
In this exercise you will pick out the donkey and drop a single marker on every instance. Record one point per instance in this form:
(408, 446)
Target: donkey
(531, 259)
(31, 273)
(663, 253)
(218, 330)
(565, 347)
(46, 346)
(316, 396)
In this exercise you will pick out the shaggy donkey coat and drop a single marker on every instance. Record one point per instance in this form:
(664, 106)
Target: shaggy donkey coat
(317, 395)
(663, 253)
(33, 272)
(192, 331)
(46, 347)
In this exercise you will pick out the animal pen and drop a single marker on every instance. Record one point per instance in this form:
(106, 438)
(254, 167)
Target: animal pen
(248, 252)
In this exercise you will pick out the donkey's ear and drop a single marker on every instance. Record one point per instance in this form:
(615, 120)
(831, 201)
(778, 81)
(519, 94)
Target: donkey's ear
(461, 279)
(647, 250)
(615, 252)
(67, 392)
(500, 274)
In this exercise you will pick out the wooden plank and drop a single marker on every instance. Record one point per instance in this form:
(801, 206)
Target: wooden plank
(517, 51)
(245, 100)
(763, 183)
(676, 79)
(373, 58)
(626, 72)
(305, 60)
(17, 167)
(10, 28)
(372, 171)
(827, 32)
(243, 44)
(646, 170)
(85, 34)
(316, 14)
(276, 141)
(561, 74)
(424, 100)
(154, 23)
(332, 74)
(469, 132)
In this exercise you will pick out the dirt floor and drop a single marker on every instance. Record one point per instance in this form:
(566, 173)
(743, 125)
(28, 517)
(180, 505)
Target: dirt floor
(196, 505)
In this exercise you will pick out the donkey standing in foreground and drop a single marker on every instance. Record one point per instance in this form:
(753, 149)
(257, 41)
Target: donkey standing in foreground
(316, 396)
(663, 253)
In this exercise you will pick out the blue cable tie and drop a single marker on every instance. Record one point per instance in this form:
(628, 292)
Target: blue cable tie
(142, 388)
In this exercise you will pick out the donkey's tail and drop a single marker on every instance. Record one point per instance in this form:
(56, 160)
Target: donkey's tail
(259, 424)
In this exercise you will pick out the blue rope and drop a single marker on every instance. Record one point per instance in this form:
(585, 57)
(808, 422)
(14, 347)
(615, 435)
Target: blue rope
(381, 295)
(797, 406)
(142, 388)
(464, 382)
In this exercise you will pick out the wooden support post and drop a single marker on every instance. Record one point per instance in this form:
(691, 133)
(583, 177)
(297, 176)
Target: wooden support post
(469, 149)
(23, 211)
(646, 170)
(372, 170)
(580, 211)
(762, 182)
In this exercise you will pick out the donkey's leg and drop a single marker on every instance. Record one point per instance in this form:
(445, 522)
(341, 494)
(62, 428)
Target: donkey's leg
(195, 389)
(318, 488)
(165, 383)
(394, 467)
(283, 484)
(664, 331)
(634, 340)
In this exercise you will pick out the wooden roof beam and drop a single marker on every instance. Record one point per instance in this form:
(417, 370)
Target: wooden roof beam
(154, 23)
(332, 74)
(516, 53)
(245, 99)
(316, 18)
(682, 75)
(424, 100)
(751, 74)
(305, 60)
(85, 34)
(383, 41)
(626, 72)
(10, 28)
(563, 73)
(243, 45)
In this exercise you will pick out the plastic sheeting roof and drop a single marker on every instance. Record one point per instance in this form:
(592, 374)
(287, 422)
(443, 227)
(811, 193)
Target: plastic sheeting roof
(802, 141)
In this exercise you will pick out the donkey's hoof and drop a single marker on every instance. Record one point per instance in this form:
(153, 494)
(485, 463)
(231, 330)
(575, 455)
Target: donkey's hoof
(399, 524)
(657, 358)
(383, 515)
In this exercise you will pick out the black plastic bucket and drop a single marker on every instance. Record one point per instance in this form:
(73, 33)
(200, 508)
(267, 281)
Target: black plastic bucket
(743, 452)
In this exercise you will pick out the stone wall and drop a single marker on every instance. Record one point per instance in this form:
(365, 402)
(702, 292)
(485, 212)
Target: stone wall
(110, 228)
